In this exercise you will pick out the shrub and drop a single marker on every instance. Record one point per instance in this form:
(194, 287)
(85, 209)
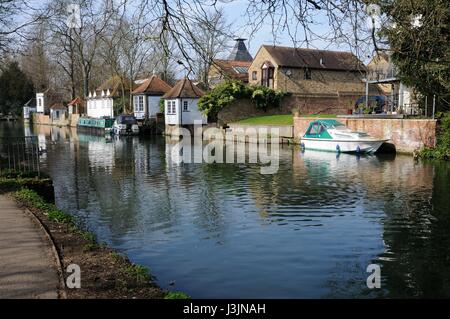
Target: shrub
(227, 92)
(442, 149)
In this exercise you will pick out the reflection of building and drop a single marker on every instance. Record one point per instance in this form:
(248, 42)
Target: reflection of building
(382, 73)
(233, 68)
(147, 96)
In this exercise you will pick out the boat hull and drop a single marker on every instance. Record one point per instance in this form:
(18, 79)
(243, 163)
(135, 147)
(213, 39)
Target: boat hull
(329, 145)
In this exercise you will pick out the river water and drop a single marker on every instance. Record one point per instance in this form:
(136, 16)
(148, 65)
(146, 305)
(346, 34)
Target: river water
(226, 231)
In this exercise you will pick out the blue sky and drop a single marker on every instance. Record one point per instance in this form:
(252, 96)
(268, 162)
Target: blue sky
(235, 13)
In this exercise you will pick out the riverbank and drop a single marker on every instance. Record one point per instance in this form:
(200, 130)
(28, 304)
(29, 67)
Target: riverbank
(105, 273)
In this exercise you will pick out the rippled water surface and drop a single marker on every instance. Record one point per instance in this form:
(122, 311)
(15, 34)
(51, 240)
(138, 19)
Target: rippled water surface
(218, 231)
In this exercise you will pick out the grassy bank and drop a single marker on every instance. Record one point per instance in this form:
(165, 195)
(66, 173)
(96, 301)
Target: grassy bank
(105, 273)
(285, 119)
(269, 120)
(442, 149)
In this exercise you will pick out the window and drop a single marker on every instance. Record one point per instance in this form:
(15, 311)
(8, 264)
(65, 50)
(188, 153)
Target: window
(139, 103)
(267, 77)
(185, 106)
(307, 74)
(171, 107)
(255, 75)
(174, 107)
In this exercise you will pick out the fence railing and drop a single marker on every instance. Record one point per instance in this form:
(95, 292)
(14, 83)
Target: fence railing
(19, 154)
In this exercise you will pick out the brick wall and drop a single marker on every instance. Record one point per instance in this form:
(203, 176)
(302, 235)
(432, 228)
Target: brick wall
(407, 135)
(41, 119)
(304, 104)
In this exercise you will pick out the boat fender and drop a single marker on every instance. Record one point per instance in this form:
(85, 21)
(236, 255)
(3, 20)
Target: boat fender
(338, 148)
(302, 146)
(358, 150)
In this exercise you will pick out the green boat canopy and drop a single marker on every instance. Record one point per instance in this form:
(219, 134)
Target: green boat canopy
(318, 129)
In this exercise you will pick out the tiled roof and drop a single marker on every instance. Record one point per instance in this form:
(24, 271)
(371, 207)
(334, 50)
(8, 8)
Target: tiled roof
(75, 101)
(153, 86)
(233, 69)
(184, 89)
(314, 59)
(58, 106)
(114, 85)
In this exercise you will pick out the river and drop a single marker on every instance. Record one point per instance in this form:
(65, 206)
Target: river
(226, 231)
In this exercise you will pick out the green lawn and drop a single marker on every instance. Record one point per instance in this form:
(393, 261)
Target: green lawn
(280, 119)
(269, 120)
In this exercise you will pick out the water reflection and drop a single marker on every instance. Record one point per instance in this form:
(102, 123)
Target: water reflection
(224, 230)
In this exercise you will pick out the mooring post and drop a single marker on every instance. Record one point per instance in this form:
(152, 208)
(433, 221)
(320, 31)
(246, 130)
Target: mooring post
(434, 105)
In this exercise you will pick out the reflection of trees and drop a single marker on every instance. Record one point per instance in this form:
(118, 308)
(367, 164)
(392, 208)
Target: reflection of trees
(418, 236)
(130, 186)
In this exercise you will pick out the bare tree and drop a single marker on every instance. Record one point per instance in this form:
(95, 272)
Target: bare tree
(16, 18)
(212, 34)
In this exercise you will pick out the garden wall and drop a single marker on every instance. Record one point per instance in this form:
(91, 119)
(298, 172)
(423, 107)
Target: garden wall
(41, 119)
(407, 135)
(302, 103)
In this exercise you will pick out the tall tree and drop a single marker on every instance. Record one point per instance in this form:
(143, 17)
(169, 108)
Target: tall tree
(212, 34)
(419, 39)
(15, 89)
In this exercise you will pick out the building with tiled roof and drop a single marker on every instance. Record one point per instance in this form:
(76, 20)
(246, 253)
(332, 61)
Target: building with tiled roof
(111, 95)
(234, 68)
(181, 104)
(298, 70)
(147, 96)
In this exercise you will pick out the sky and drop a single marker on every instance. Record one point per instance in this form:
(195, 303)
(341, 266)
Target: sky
(235, 12)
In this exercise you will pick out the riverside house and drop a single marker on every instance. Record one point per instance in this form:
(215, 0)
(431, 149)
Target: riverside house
(319, 80)
(45, 99)
(181, 105)
(382, 75)
(147, 96)
(108, 98)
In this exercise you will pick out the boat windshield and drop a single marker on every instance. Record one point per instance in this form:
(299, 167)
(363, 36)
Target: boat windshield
(127, 120)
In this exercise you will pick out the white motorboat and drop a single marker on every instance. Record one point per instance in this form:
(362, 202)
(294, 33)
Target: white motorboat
(333, 136)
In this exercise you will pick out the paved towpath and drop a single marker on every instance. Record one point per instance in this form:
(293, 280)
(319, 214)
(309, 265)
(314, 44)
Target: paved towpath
(27, 265)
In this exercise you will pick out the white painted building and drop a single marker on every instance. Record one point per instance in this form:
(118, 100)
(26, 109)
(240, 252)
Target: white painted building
(147, 96)
(46, 99)
(181, 104)
(102, 101)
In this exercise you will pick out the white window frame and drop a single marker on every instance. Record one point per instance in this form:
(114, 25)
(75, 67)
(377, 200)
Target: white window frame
(139, 103)
(185, 106)
(174, 107)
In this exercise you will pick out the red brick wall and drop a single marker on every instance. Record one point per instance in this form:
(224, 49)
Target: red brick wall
(406, 134)
(304, 104)
(325, 104)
